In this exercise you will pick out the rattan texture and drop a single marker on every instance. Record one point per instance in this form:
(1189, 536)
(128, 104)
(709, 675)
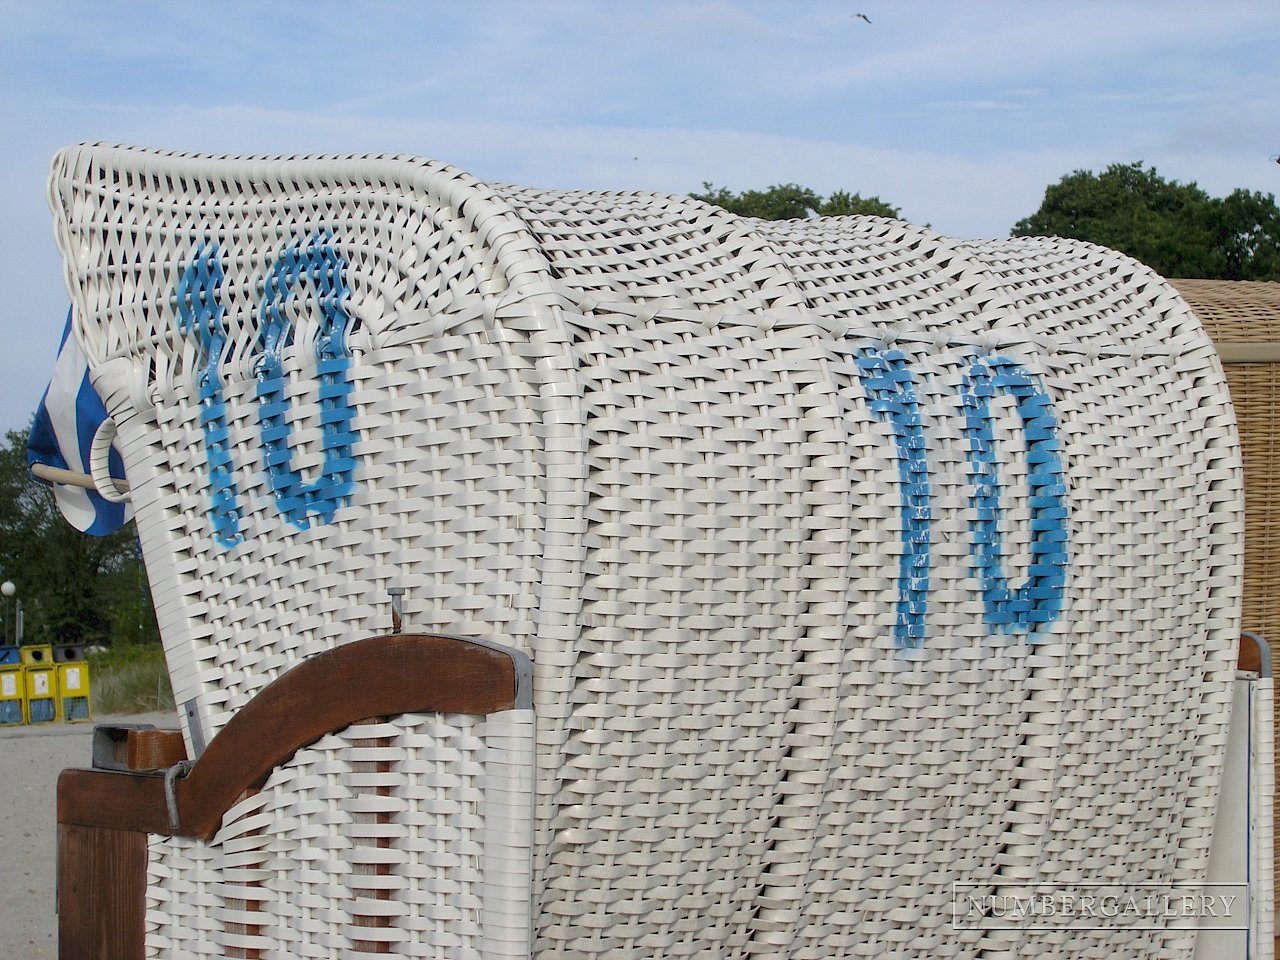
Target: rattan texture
(1235, 311)
(410, 836)
(1244, 313)
(756, 498)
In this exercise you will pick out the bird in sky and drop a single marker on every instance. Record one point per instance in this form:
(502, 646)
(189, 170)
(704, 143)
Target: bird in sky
(859, 16)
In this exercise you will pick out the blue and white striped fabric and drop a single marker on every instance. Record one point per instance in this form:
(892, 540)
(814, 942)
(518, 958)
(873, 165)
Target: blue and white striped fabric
(62, 435)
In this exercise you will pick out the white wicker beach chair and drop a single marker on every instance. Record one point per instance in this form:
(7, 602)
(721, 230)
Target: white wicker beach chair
(865, 573)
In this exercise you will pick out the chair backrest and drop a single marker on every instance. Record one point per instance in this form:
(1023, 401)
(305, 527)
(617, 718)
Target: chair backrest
(859, 566)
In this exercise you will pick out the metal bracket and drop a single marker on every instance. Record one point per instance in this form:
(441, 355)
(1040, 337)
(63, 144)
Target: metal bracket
(171, 777)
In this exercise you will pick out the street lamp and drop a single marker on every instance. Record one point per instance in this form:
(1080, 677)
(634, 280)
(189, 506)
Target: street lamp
(9, 590)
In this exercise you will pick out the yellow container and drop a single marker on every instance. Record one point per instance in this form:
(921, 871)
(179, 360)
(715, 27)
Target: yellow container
(42, 692)
(13, 699)
(73, 692)
(37, 654)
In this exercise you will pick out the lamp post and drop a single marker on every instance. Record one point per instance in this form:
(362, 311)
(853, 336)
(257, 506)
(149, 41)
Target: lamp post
(9, 590)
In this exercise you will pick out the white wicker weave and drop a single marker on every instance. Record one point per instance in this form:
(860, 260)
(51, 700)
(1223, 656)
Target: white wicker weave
(855, 562)
(334, 855)
(1262, 821)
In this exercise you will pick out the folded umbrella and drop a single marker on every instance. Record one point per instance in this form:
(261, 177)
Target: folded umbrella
(70, 416)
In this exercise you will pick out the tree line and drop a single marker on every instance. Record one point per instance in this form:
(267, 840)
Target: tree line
(73, 588)
(80, 589)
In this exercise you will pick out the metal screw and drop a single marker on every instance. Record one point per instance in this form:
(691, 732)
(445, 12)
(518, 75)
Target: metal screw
(397, 607)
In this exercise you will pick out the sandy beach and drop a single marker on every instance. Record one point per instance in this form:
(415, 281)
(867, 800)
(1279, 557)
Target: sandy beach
(30, 760)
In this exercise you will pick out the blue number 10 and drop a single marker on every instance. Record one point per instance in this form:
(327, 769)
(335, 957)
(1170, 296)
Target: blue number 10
(1036, 603)
(313, 264)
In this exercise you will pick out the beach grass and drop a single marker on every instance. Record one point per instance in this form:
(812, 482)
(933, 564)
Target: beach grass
(130, 679)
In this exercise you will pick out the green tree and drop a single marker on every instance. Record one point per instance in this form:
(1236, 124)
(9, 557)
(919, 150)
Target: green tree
(1175, 228)
(844, 204)
(790, 201)
(74, 588)
(1249, 233)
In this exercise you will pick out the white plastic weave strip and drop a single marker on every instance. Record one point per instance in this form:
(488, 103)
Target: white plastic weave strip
(858, 565)
(1261, 821)
(409, 836)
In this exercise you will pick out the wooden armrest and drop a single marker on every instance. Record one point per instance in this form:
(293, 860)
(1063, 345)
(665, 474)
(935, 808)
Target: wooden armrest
(377, 677)
(104, 816)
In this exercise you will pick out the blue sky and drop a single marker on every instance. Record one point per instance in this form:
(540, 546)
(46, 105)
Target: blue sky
(959, 113)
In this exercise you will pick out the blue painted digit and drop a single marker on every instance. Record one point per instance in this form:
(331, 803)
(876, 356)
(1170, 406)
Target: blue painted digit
(1036, 604)
(891, 395)
(200, 316)
(315, 264)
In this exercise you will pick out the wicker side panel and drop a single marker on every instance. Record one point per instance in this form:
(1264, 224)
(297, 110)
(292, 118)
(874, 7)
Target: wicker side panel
(171, 260)
(1255, 393)
(737, 665)
(409, 836)
(1114, 774)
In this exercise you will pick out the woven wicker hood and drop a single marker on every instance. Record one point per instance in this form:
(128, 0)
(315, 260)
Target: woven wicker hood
(855, 562)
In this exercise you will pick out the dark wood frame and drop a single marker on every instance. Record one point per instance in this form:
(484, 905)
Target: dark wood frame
(105, 816)
(1255, 655)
